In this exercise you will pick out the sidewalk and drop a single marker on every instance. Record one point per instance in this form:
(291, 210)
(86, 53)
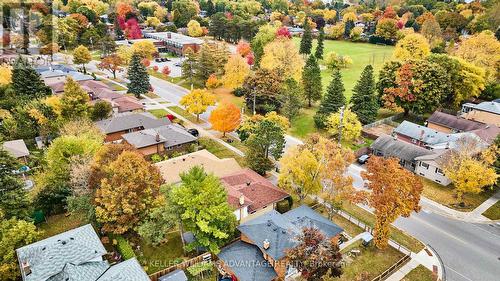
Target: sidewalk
(422, 258)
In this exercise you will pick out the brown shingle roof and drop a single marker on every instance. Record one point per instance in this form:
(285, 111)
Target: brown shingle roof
(454, 122)
(260, 191)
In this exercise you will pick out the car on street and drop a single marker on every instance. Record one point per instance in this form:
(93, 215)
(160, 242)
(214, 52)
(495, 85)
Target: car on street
(193, 132)
(363, 158)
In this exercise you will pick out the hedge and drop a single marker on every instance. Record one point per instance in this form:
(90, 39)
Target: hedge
(124, 247)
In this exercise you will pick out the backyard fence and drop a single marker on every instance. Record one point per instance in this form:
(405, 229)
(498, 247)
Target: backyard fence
(388, 120)
(388, 272)
(182, 265)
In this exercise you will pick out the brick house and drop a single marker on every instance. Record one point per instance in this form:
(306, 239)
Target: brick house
(448, 123)
(260, 254)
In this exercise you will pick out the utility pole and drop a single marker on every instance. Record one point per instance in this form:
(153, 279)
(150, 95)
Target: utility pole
(341, 121)
(254, 102)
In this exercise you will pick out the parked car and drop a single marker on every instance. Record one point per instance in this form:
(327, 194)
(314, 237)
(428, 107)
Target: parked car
(193, 132)
(363, 158)
(178, 64)
(158, 60)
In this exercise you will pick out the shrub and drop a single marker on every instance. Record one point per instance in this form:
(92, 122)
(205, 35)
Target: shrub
(238, 92)
(283, 206)
(156, 158)
(124, 247)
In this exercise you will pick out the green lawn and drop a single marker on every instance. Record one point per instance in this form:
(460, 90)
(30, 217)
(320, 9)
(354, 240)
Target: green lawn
(361, 54)
(58, 224)
(220, 151)
(493, 213)
(158, 113)
(446, 195)
(155, 258)
(370, 263)
(420, 273)
(184, 113)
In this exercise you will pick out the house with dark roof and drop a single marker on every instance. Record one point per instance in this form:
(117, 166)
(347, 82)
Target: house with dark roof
(250, 194)
(448, 123)
(76, 254)
(260, 254)
(164, 139)
(487, 112)
(117, 126)
(388, 146)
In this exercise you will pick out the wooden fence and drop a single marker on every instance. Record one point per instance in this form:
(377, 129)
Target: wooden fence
(182, 265)
(388, 272)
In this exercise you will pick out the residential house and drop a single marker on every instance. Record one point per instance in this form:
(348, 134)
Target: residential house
(17, 149)
(449, 124)
(175, 42)
(260, 254)
(54, 74)
(388, 146)
(486, 112)
(176, 275)
(76, 254)
(171, 169)
(251, 195)
(160, 140)
(117, 126)
(428, 166)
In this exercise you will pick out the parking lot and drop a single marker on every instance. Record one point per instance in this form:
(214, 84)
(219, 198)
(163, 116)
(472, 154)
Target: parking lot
(175, 70)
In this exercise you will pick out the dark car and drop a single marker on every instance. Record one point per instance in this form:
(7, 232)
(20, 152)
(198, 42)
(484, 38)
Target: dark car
(363, 158)
(193, 132)
(158, 60)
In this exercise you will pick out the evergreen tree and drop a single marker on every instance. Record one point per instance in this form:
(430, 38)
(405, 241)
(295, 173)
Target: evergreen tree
(349, 25)
(290, 98)
(27, 82)
(311, 80)
(13, 198)
(210, 8)
(364, 101)
(306, 41)
(138, 76)
(320, 46)
(332, 101)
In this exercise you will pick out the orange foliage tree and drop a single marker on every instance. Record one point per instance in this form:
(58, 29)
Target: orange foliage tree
(225, 118)
(395, 192)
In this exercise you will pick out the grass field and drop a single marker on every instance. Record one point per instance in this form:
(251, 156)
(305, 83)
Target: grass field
(58, 224)
(493, 213)
(420, 273)
(361, 54)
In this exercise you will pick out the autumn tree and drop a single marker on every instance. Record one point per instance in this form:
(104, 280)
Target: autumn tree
(81, 55)
(101, 110)
(344, 126)
(127, 193)
(281, 55)
(5, 74)
(364, 101)
(395, 192)
(412, 46)
(315, 256)
(204, 210)
(194, 28)
(265, 35)
(235, 72)
(311, 80)
(387, 28)
(225, 118)
(145, 49)
(306, 41)
(432, 31)
(261, 90)
(333, 100)
(197, 101)
(138, 76)
(210, 59)
(111, 63)
(74, 101)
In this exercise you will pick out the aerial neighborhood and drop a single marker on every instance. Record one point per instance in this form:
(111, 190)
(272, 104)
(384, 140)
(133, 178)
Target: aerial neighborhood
(249, 140)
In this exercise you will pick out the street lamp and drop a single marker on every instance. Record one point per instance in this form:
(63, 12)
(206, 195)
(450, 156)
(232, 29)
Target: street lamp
(341, 121)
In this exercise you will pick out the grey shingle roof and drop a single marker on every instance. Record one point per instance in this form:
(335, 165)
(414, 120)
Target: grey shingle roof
(390, 147)
(130, 121)
(421, 133)
(50, 256)
(246, 262)
(454, 122)
(129, 270)
(169, 135)
(16, 148)
(176, 275)
(281, 230)
(488, 106)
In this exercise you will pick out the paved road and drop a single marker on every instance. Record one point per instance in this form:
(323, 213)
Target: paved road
(470, 252)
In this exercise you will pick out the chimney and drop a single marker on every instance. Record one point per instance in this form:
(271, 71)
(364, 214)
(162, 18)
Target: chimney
(157, 137)
(266, 244)
(242, 200)
(248, 183)
(26, 268)
(169, 35)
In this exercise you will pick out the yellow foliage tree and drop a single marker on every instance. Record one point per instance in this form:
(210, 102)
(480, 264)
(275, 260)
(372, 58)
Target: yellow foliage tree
(329, 15)
(212, 82)
(412, 46)
(197, 101)
(125, 54)
(283, 55)
(81, 55)
(5, 74)
(144, 48)
(350, 16)
(483, 50)
(235, 72)
(351, 127)
(194, 28)
(152, 21)
(225, 118)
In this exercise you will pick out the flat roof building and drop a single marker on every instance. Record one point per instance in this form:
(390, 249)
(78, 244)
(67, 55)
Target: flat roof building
(175, 42)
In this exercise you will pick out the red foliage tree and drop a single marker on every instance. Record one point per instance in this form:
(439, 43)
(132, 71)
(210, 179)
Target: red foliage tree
(133, 31)
(390, 13)
(146, 62)
(250, 58)
(166, 71)
(155, 68)
(283, 31)
(243, 48)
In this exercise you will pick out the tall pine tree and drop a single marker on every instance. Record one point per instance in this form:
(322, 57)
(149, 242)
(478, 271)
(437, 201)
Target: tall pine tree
(138, 76)
(364, 101)
(320, 46)
(311, 80)
(306, 41)
(349, 25)
(13, 198)
(333, 100)
(27, 82)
